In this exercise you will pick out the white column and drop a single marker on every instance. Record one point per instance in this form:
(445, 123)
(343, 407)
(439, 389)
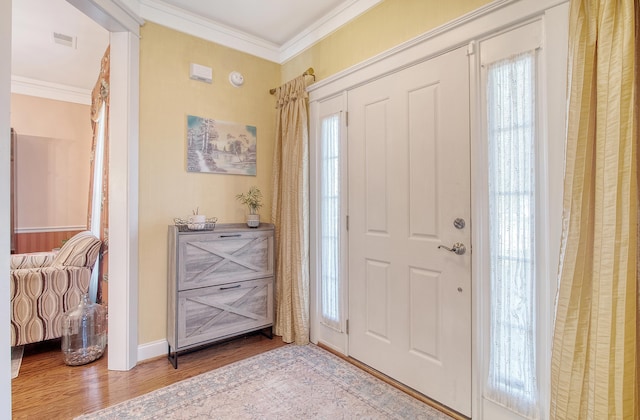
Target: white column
(123, 202)
(5, 193)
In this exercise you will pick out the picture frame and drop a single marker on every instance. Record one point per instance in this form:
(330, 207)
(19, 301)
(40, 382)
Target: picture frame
(221, 147)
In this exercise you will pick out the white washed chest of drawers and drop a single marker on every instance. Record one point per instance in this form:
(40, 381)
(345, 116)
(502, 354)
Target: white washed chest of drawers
(220, 284)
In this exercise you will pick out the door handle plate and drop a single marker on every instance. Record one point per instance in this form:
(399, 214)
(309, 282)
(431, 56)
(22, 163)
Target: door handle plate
(458, 248)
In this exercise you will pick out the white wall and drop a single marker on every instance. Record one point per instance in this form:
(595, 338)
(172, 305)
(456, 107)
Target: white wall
(53, 154)
(5, 150)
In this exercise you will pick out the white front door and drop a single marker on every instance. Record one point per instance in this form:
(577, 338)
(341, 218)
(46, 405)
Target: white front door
(409, 194)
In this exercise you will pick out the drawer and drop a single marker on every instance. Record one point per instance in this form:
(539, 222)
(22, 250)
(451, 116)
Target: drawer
(224, 257)
(220, 311)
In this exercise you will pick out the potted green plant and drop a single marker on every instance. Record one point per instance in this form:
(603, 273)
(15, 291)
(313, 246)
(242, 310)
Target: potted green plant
(253, 200)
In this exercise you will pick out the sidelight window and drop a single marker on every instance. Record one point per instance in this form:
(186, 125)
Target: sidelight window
(330, 221)
(511, 134)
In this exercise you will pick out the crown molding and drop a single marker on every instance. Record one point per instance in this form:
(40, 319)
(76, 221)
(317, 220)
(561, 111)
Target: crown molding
(192, 24)
(58, 92)
(333, 20)
(175, 18)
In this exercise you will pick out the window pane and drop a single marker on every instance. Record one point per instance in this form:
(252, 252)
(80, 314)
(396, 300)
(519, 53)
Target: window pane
(511, 142)
(330, 221)
(96, 199)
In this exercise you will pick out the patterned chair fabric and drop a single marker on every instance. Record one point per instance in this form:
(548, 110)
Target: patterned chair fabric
(32, 260)
(45, 285)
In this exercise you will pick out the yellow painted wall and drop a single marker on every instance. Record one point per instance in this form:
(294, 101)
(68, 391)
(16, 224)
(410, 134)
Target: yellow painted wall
(390, 23)
(167, 95)
(167, 190)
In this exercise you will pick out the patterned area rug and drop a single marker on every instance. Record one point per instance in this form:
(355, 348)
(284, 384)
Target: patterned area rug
(291, 382)
(16, 360)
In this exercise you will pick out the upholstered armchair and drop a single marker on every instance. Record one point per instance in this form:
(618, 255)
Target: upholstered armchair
(45, 285)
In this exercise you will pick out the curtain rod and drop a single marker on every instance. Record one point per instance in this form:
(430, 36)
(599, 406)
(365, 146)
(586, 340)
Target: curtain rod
(309, 72)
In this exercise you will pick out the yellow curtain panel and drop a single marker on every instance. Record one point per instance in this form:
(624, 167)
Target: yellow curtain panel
(595, 347)
(290, 212)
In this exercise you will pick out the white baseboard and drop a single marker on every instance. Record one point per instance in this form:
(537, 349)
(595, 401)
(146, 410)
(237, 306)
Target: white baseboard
(151, 350)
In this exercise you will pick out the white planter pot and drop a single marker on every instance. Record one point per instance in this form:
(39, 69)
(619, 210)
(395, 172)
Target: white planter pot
(253, 220)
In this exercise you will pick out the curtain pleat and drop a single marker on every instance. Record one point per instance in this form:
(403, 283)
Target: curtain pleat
(595, 347)
(290, 212)
(100, 97)
(637, 121)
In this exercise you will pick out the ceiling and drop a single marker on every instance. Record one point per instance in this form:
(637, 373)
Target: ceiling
(36, 57)
(275, 30)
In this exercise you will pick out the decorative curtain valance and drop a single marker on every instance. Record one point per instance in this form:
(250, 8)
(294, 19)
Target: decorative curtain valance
(100, 93)
(291, 92)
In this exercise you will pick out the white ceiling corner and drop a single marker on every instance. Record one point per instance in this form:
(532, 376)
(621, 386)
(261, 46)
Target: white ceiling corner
(173, 17)
(276, 30)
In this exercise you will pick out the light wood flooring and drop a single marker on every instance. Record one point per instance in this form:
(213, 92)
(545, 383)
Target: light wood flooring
(48, 389)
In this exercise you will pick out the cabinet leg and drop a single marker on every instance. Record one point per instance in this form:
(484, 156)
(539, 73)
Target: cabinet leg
(173, 358)
(267, 332)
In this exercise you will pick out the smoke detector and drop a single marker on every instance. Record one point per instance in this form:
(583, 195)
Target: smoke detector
(66, 40)
(236, 78)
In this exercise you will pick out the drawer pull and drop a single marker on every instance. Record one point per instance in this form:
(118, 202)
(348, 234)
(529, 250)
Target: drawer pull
(231, 287)
(237, 235)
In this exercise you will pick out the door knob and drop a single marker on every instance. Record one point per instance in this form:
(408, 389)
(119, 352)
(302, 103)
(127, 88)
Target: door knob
(457, 248)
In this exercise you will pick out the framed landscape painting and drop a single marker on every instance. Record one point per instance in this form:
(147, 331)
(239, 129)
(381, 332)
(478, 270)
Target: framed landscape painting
(220, 147)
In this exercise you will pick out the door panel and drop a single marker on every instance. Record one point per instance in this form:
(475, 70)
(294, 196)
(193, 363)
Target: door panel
(422, 161)
(409, 301)
(377, 286)
(424, 305)
(376, 167)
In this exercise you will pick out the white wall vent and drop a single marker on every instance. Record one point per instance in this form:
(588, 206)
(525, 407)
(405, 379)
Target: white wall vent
(66, 40)
(201, 73)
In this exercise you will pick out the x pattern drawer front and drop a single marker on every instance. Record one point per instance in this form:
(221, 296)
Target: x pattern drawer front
(226, 259)
(218, 311)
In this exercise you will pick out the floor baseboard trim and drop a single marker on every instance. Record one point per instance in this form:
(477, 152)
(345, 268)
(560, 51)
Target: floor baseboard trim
(152, 350)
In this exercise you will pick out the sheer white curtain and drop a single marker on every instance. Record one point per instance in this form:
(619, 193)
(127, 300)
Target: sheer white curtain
(512, 203)
(95, 201)
(330, 222)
